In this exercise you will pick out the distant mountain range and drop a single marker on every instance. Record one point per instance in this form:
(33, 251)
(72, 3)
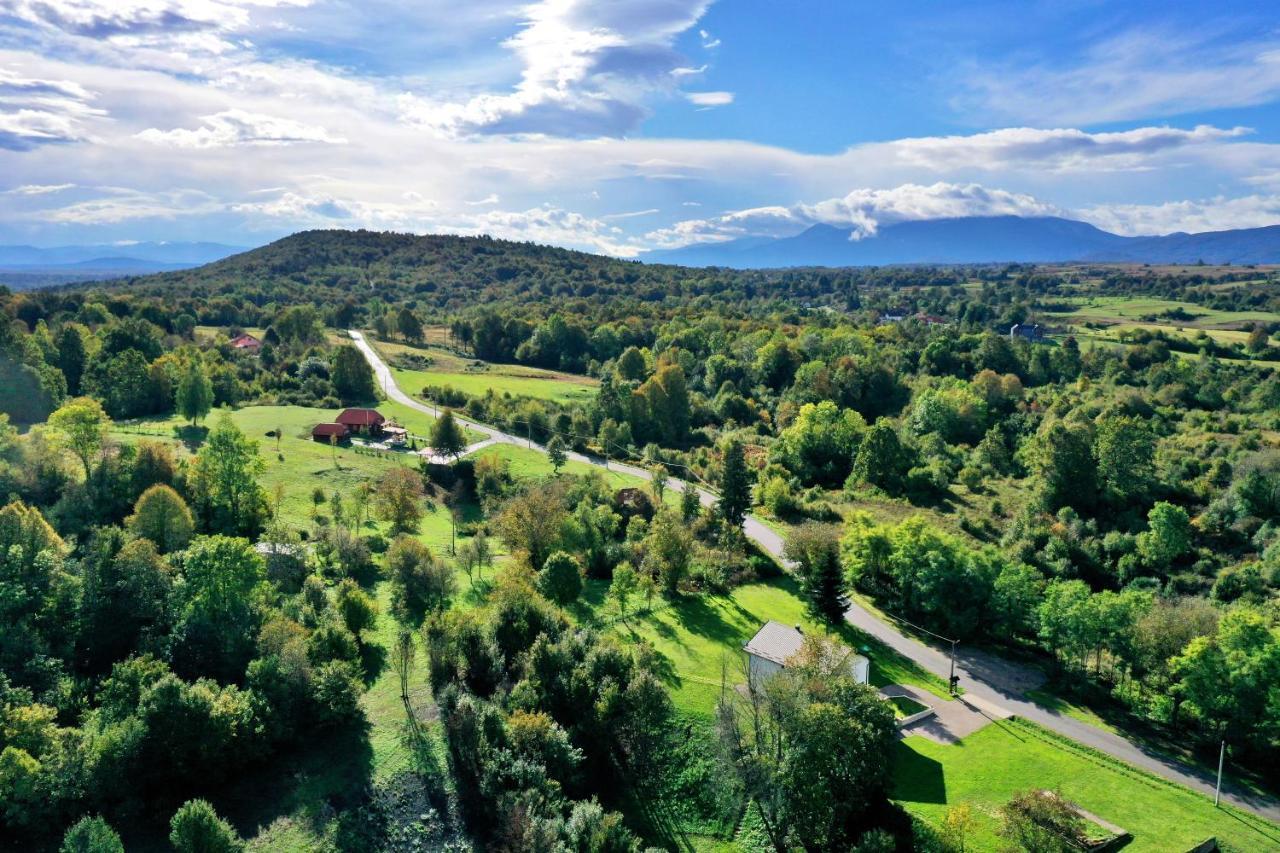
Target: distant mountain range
(979, 240)
(110, 260)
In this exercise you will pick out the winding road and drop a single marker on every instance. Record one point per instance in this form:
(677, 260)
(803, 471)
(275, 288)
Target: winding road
(996, 683)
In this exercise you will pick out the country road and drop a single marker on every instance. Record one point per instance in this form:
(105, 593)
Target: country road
(993, 679)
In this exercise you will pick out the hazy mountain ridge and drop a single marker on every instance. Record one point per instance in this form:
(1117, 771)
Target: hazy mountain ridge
(981, 239)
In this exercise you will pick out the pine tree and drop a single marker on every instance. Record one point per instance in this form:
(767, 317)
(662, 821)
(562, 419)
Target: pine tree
(735, 485)
(195, 393)
(824, 586)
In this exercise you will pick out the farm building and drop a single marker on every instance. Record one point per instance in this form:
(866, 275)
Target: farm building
(775, 644)
(362, 421)
(1028, 331)
(246, 342)
(327, 432)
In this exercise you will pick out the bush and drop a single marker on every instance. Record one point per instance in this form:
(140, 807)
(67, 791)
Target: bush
(196, 828)
(560, 578)
(91, 835)
(337, 692)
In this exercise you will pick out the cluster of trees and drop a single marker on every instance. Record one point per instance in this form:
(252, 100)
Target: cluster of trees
(146, 637)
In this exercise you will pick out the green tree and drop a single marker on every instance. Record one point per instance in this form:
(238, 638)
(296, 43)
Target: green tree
(1061, 460)
(195, 392)
(81, 427)
(71, 356)
(219, 605)
(668, 550)
(560, 578)
(1167, 537)
(690, 503)
(91, 835)
(447, 438)
(555, 454)
(735, 485)
(419, 581)
(351, 375)
(357, 609)
(398, 499)
(814, 549)
(409, 326)
(819, 445)
(881, 459)
(1124, 448)
(162, 516)
(223, 482)
(630, 365)
(196, 828)
(623, 587)
(532, 524)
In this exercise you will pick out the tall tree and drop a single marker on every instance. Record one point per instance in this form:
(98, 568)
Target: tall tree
(195, 392)
(555, 454)
(409, 326)
(352, 376)
(162, 516)
(222, 480)
(447, 438)
(398, 499)
(81, 427)
(735, 485)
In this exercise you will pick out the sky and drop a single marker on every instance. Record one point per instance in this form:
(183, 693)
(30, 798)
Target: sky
(621, 126)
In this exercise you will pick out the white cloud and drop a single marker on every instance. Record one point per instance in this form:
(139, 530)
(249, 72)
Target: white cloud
(1063, 149)
(632, 214)
(39, 189)
(709, 42)
(1137, 74)
(119, 205)
(1210, 214)
(710, 99)
(35, 111)
(238, 127)
(587, 69)
(115, 18)
(861, 211)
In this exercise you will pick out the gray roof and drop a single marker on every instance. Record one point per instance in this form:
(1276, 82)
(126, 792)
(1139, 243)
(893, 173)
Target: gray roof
(776, 642)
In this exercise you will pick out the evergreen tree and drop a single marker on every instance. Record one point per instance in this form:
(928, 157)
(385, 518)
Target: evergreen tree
(351, 375)
(195, 393)
(735, 485)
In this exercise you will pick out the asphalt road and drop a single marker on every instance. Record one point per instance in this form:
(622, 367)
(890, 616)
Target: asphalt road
(992, 679)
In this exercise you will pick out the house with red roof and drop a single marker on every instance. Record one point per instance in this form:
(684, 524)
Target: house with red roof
(326, 433)
(246, 342)
(362, 421)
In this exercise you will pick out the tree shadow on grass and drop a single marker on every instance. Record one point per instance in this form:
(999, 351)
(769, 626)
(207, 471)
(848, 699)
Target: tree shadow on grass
(698, 617)
(917, 778)
(191, 436)
(373, 662)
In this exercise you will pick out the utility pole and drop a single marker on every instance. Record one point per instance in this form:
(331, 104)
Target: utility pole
(952, 680)
(1222, 755)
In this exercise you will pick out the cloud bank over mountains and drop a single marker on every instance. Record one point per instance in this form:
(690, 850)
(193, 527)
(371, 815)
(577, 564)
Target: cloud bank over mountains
(242, 120)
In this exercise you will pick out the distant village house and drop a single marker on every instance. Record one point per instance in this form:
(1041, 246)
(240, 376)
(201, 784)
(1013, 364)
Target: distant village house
(1033, 332)
(327, 433)
(775, 645)
(246, 342)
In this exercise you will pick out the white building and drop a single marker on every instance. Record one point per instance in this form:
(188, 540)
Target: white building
(775, 644)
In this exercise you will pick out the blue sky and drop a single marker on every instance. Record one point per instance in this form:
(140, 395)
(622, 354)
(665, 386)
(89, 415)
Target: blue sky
(622, 126)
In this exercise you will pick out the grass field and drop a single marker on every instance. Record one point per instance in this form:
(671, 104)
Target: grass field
(475, 378)
(989, 766)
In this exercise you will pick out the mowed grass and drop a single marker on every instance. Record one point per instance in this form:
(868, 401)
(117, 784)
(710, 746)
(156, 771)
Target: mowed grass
(460, 373)
(987, 768)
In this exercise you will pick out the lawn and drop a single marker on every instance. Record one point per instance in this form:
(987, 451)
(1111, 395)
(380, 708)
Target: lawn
(991, 765)
(475, 377)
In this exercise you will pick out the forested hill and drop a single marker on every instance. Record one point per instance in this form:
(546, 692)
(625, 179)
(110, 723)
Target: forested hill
(333, 267)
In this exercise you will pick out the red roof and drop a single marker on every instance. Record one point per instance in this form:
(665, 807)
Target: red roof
(361, 417)
(340, 430)
(243, 341)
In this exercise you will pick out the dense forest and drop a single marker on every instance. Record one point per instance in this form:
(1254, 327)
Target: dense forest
(1112, 511)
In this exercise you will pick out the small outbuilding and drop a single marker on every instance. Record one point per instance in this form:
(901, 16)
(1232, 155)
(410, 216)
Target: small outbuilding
(328, 432)
(775, 645)
(246, 342)
(362, 421)
(1033, 332)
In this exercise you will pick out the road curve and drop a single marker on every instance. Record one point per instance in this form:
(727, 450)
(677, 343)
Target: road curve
(1000, 682)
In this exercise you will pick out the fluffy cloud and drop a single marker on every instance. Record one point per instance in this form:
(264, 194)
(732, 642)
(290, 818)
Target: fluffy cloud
(1210, 214)
(113, 18)
(586, 70)
(1062, 149)
(862, 211)
(237, 127)
(35, 112)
